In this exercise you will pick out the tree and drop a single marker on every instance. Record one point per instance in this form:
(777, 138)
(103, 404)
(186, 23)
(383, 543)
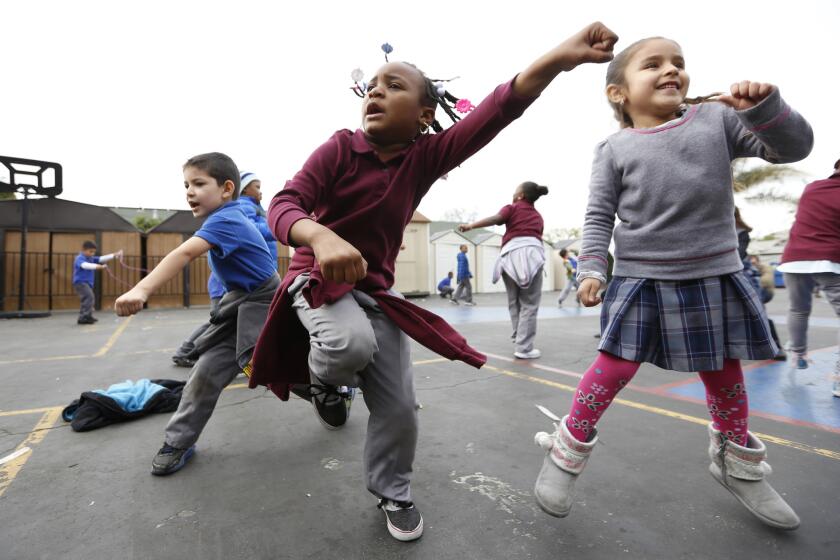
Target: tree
(7, 196)
(556, 234)
(145, 223)
(751, 178)
(460, 215)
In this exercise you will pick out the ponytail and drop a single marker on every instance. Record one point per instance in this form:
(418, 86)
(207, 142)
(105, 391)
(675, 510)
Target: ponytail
(532, 191)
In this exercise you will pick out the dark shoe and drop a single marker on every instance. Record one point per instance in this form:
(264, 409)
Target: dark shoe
(332, 404)
(404, 521)
(181, 361)
(781, 356)
(170, 459)
(85, 321)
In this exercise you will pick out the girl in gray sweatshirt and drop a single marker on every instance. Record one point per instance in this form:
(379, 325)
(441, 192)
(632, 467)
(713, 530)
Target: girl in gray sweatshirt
(679, 298)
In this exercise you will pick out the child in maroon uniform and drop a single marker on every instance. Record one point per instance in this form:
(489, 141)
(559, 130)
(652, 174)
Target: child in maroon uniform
(339, 320)
(520, 263)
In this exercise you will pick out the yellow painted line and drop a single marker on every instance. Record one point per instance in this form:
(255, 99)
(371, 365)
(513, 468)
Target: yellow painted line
(432, 361)
(677, 415)
(104, 350)
(49, 359)
(30, 411)
(10, 469)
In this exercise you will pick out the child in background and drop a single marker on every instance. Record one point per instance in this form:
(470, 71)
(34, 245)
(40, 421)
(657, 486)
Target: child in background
(464, 290)
(336, 319)
(238, 256)
(520, 263)
(84, 265)
(570, 265)
(250, 201)
(445, 286)
(678, 298)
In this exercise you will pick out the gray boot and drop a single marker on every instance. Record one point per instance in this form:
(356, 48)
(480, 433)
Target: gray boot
(564, 460)
(741, 470)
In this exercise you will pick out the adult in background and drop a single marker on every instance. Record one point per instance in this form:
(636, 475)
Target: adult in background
(812, 259)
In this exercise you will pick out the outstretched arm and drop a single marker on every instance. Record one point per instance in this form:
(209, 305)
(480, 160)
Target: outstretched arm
(494, 220)
(132, 301)
(594, 43)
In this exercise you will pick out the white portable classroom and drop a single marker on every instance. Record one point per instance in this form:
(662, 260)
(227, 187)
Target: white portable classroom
(411, 276)
(445, 248)
(488, 245)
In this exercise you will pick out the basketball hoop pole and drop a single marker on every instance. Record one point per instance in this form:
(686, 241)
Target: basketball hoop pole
(24, 228)
(29, 170)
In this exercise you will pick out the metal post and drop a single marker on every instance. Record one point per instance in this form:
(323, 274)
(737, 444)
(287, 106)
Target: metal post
(24, 226)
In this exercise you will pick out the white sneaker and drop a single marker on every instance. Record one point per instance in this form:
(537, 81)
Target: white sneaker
(529, 355)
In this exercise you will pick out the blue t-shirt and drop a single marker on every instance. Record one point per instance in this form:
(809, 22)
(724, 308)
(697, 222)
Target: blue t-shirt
(215, 287)
(446, 282)
(574, 262)
(80, 275)
(256, 214)
(239, 257)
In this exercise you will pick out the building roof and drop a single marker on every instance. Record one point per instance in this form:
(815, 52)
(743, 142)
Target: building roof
(482, 237)
(420, 218)
(181, 221)
(58, 214)
(130, 214)
(435, 236)
(563, 243)
(437, 227)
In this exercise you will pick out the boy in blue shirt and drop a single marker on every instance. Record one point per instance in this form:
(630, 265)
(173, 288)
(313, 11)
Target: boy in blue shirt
(240, 259)
(445, 286)
(250, 202)
(84, 266)
(464, 285)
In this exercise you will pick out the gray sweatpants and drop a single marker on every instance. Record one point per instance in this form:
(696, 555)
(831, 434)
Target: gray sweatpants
(354, 343)
(523, 305)
(86, 297)
(213, 371)
(464, 291)
(800, 291)
(188, 345)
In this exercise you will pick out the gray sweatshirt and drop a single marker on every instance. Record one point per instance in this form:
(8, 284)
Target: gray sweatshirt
(671, 189)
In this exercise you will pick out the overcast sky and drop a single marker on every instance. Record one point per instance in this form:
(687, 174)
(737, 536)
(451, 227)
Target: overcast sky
(121, 94)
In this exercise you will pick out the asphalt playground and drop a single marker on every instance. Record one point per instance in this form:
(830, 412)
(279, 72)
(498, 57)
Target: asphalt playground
(268, 482)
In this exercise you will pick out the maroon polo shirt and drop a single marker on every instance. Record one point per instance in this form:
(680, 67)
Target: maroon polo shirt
(815, 235)
(521, 219)
(368, 203)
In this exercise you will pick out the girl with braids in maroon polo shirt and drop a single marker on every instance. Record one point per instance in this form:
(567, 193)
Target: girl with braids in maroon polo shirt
(336, 321)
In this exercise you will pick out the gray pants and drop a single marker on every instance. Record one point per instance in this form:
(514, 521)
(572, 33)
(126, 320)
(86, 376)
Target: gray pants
(446, 291)
(570, 283)
(464, 291)
(800, 291)
(213, 371)
(353, 343)
(523, 305)
(189, 344)
(86, 296)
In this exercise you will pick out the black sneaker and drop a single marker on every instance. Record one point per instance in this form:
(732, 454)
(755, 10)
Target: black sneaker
(332, 404)
(181, 361)
(171, 459)
(404, 521)
(85, 321)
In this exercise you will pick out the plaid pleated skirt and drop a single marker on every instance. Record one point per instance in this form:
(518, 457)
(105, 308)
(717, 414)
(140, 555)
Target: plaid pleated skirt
(685, 325)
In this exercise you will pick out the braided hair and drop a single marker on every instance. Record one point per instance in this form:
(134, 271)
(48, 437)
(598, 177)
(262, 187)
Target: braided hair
(435, 98)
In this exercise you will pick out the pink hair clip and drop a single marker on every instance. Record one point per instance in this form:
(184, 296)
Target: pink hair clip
(464, 105)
